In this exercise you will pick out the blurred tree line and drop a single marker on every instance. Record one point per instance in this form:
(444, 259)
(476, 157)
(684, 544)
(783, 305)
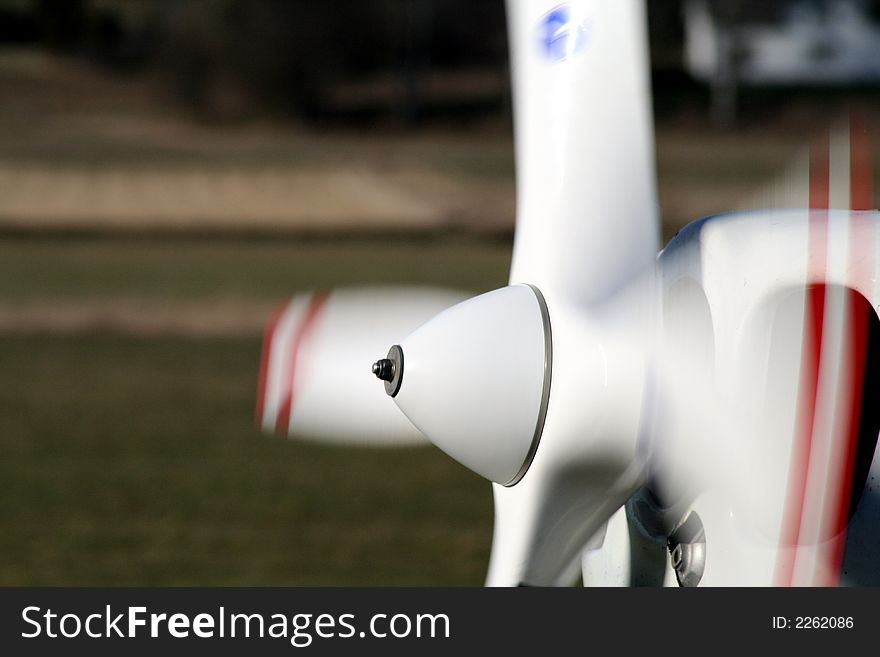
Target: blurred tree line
(288, 54)
(226, 58)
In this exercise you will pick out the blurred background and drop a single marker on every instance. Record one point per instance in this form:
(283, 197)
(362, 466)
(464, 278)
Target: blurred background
(171, 169)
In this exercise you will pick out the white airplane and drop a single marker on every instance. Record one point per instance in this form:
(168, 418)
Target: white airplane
(705, 416)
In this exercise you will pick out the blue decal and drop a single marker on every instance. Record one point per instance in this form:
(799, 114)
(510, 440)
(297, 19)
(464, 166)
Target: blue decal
(560, 38)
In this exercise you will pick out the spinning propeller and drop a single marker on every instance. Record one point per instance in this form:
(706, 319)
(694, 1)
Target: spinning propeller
(313, 382)
(542, 365)
(698, 416)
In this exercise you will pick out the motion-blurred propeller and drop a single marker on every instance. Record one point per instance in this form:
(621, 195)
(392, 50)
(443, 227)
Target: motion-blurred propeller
(314, 377)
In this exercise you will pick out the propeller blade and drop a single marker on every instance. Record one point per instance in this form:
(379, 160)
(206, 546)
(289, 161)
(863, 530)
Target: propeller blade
(769, 355)
(538, 386)
(587, 214)
(587, 225)
(314, 377)
(649, 385)
(754, 416)
(779, 306)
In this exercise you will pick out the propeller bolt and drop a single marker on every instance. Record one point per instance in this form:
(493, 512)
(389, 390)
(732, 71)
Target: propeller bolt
(384, 369)
(390, 370)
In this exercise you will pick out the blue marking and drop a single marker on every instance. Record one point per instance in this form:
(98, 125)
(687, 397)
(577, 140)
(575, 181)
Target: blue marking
(559, 37)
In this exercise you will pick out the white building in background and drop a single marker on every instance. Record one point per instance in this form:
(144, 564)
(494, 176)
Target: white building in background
(792, 42)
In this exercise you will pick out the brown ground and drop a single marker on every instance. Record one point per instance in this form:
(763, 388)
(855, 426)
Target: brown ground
(88, 151)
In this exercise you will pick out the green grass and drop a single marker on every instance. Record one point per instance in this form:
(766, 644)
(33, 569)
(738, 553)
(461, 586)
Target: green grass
(188, 269)
(132, 461)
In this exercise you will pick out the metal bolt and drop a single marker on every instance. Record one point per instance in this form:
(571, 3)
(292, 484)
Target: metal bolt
(384, 369)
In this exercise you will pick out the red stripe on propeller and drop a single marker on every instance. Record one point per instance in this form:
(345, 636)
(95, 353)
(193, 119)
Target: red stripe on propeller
(858, 318)
(306, 324)
(814, 317)
(268, 337)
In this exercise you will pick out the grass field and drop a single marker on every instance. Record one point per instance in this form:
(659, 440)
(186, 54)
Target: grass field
(186, 271)
(128, 459)
(128, 360)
